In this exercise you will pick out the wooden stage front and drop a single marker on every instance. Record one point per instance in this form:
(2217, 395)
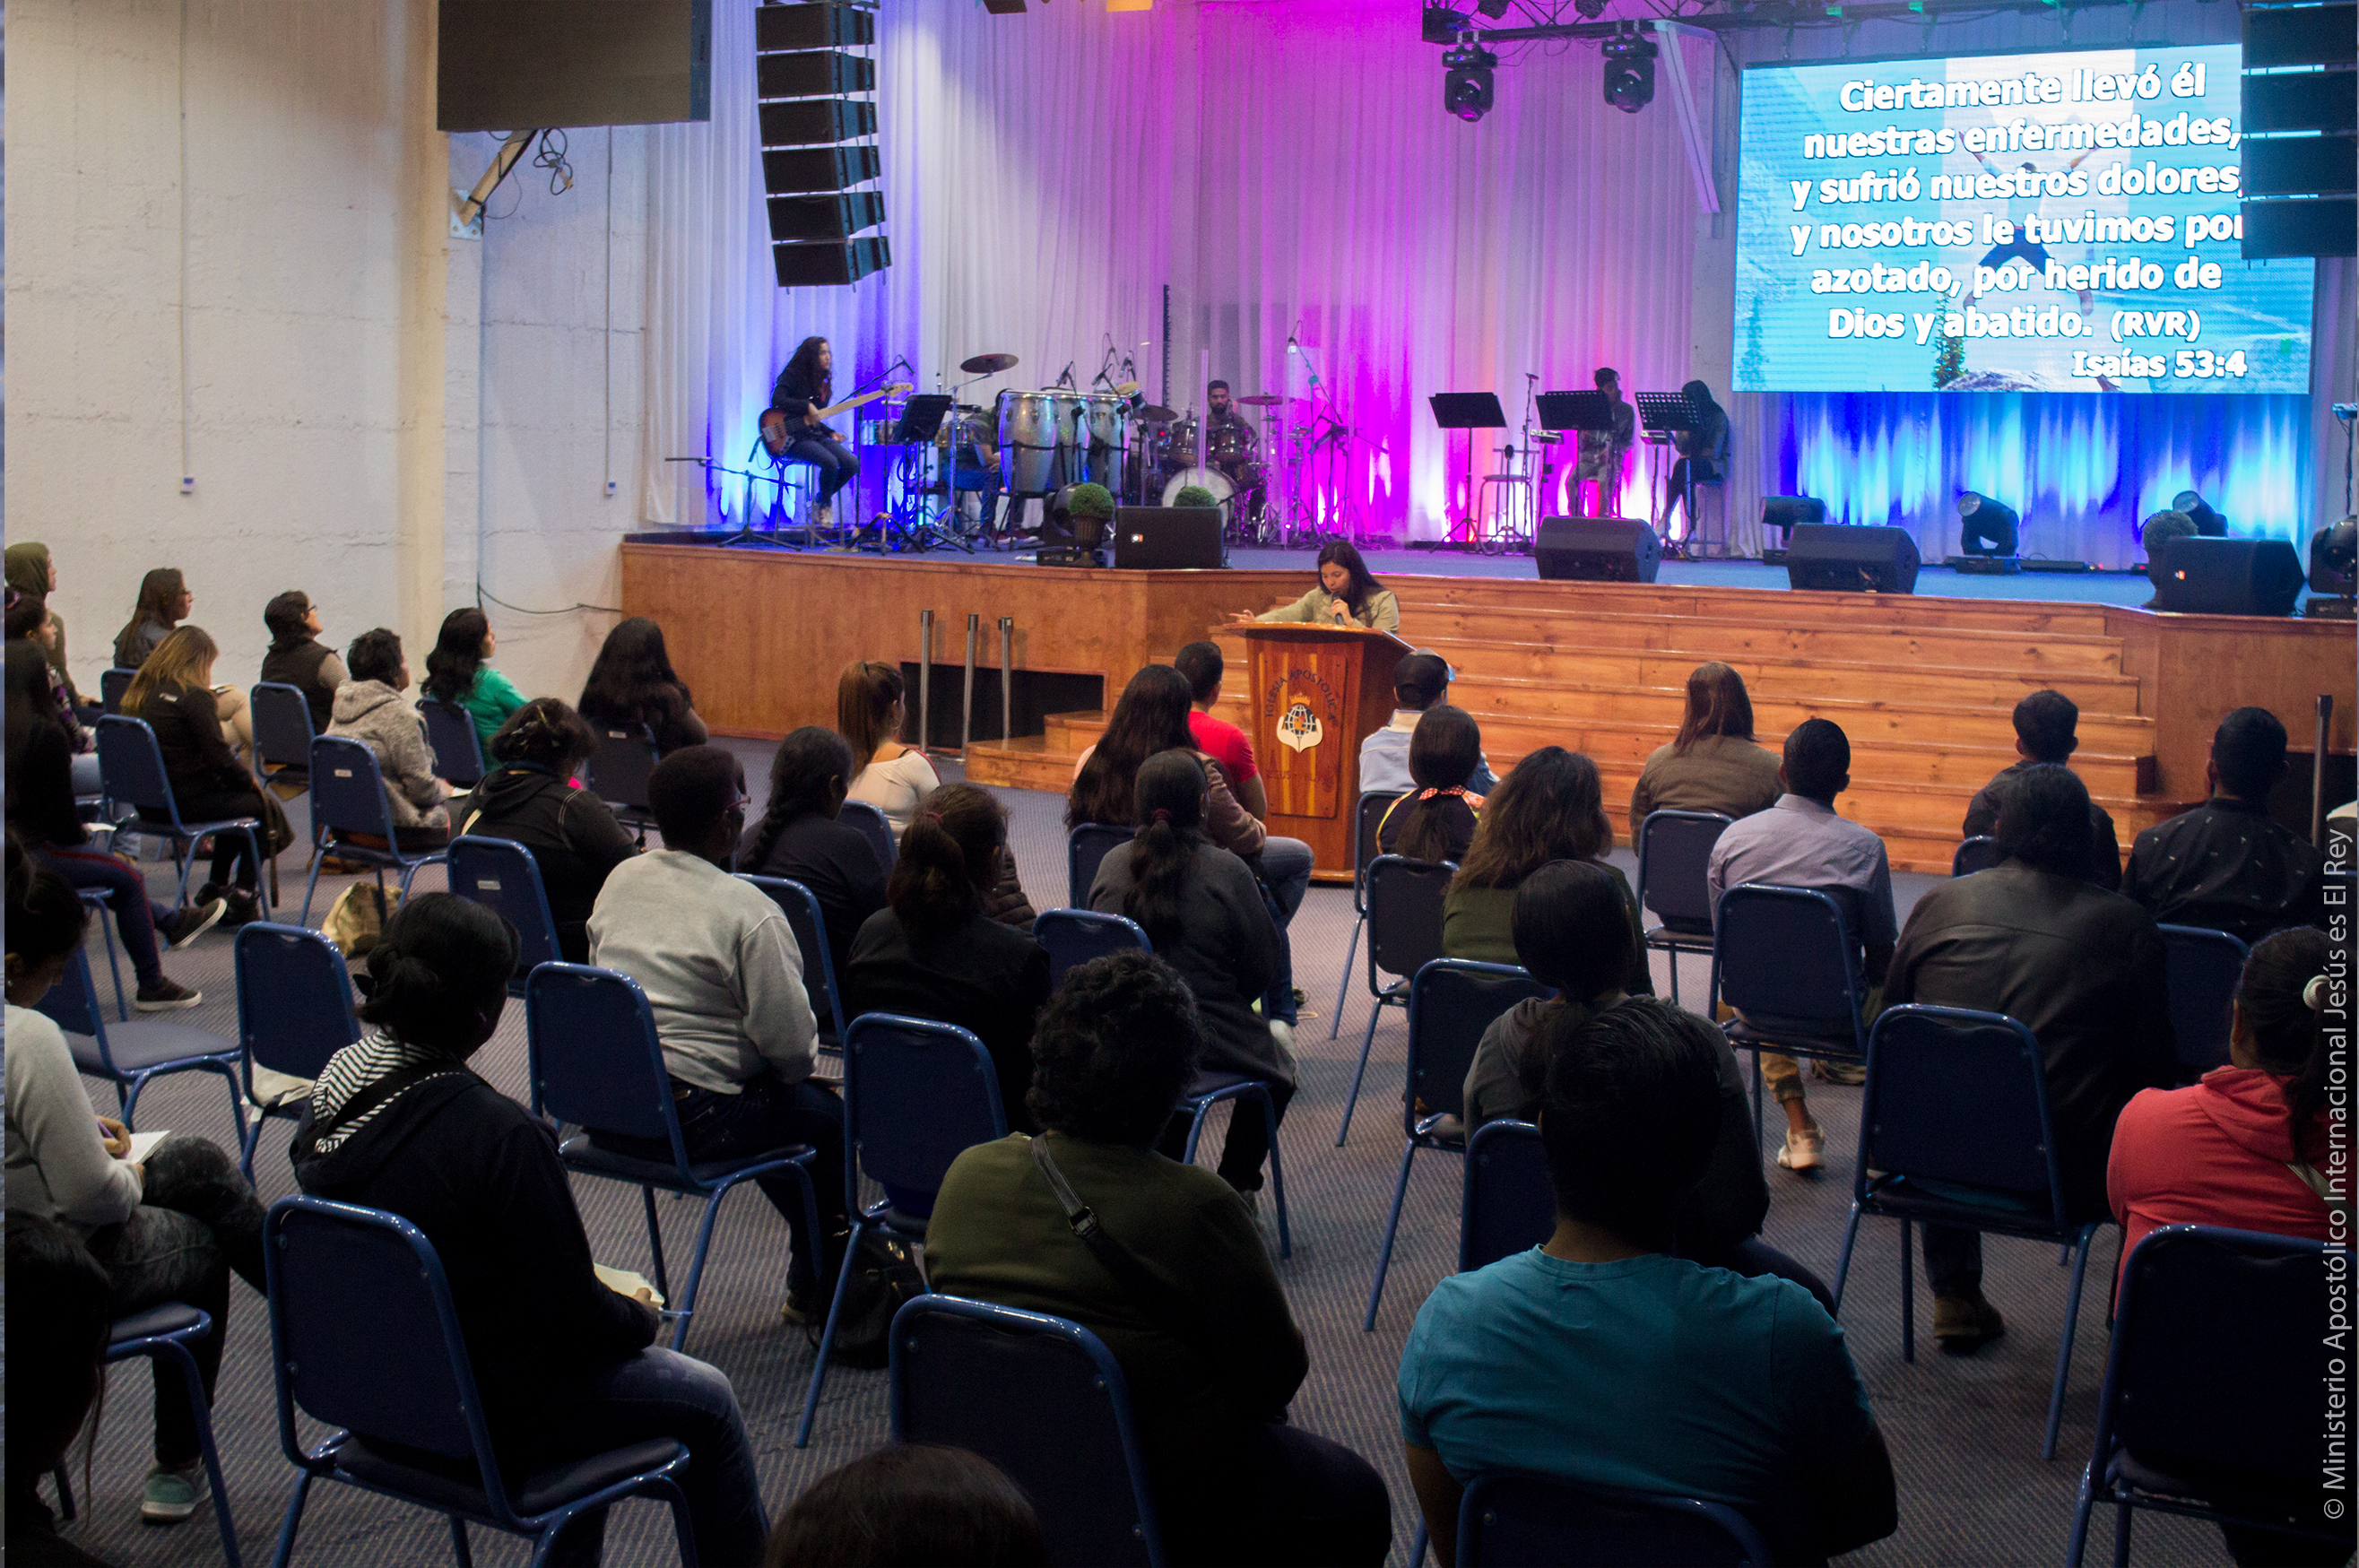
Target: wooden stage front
(1924, 686)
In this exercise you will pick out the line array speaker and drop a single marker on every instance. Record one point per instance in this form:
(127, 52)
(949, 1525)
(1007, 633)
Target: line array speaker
(2300, 146)
(819, 142)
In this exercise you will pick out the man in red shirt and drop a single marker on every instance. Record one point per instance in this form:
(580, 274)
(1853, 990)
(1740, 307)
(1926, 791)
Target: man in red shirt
(1229, 747)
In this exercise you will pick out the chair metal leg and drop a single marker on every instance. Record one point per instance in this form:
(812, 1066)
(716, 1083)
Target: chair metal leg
(2122, 1516)
(1367, 1039)
(1673, 954)
(1907, 1297)
(268, 896)
(1417, 1548)
(65, 1494)
(683, 1529)
(1843, 1264)
(236, 1102)
(129, 1092)
(655, 1242)
(202, 1408)
(1758, 1092)
(311, 884)
(2064, 1350)
(827, 1338)
(2077, 1543)
(460, 1551)
(1392, 1224)
(1277, 1175)
(684, 1309)
(1196, 1127)
(1335, 1020)
(286, 1547)
(113, 964)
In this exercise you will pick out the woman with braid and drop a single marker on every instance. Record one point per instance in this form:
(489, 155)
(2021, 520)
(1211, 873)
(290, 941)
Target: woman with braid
(799, 838)
(531, 796)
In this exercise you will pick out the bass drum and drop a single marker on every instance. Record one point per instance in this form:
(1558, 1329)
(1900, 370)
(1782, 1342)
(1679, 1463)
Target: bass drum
(1039, 440)
(1224, 493)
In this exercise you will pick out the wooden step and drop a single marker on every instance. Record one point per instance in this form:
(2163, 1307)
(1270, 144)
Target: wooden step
(1822, 608)
(1025, 762)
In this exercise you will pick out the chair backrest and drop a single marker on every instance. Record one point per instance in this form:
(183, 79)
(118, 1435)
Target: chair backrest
(619, 770)
(1365, 820)
(2217, 1338)
(348, 791)
(112, 684)
(294, 999)
(2203, 967)
(1073, 936)
(131, 765)
(1508, 1520)
(1674, 860)
(1507, 1205)
(1450, 1002)
(282, 725)
(1404, 903)
(1959, 1097)
(363, 1336)
(593, 1055)
(876, 828)
(917, 1095)
(1979, 853)
(800, 906)
(1087, 845)
(501, 875)
(457, 745)
(957, 1367)
(1782, 957)
(72, 1004)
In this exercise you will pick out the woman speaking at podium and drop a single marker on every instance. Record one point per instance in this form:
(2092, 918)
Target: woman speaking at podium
(1347, 596)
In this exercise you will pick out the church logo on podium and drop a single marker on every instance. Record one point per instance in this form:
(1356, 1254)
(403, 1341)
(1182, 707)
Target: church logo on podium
(1299, 728)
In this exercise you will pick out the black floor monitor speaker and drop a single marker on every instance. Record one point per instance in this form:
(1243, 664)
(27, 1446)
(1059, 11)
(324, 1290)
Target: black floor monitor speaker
(1830, 556)
(2228, 577)
(1597, 550)
(1153, 538)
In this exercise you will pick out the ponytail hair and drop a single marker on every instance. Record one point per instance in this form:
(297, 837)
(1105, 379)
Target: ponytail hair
(2280, 1001)
(864, 696)
(1169, 792)
(811, 763)
(950, 857)
(440, 957)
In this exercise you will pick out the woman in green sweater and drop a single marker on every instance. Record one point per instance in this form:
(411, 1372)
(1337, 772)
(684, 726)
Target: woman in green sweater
(1348, 595)
(456, 672)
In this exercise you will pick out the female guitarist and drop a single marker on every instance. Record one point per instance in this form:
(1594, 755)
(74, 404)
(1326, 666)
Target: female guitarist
(796, 430)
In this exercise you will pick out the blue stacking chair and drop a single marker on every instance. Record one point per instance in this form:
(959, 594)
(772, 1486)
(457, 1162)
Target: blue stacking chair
(161, 1335)
(2203, 969)
(112, 684)
(1366, 817)
(1782, 957)
(800, 906)
(457, 744)
(618, 770)
(956, 1367)
(874, 827)
(364, 1339)
(100, 902)
(1085, 846)
(1404, 898)
(1073, 936)
(1977, 853)
(1451, 1001)
(1674, 881)
(295, 1010)
(595, 1062)
(1954, 1130)
(282, 729)
(129, 1056)
(917, 1095)
(133, 767)
(501, 874)
(2216, 1345)
(1512, 1521)
(1508, 1206)
(348, 798)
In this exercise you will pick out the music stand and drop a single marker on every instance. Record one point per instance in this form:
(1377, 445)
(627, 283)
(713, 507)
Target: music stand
(1663, 417)
(1576, 411)
(1468, 411)
(921, 419)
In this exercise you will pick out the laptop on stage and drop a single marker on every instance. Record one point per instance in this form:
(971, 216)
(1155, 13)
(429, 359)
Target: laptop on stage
(1164, 537)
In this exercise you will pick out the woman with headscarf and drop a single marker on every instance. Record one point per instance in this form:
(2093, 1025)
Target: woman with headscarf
(33, 573)
(1703, 451)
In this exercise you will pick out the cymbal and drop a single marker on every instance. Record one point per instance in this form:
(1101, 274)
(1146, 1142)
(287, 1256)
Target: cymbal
(1154, 414)
(988, 364)
(1125, 388)
(1260, 400)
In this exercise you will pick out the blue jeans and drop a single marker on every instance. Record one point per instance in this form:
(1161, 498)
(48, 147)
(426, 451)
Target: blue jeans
(832, 465)
(1286, 880)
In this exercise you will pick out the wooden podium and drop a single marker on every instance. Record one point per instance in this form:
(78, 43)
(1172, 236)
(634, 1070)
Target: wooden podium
(1318, 691)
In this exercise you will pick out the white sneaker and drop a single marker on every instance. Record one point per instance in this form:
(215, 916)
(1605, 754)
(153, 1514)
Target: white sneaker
(822, 517)
(1802, 1151)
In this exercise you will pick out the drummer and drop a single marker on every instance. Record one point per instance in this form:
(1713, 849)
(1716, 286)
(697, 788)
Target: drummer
(1347, 596)
(1221, 414)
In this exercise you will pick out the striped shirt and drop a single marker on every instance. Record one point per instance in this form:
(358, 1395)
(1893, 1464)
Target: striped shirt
(376, 1056)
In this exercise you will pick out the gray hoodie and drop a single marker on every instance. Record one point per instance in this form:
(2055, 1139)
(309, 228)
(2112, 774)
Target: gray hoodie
(373, 712)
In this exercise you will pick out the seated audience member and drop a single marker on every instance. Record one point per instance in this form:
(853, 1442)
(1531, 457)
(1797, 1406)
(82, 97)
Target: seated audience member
(2045, 722)
(25, 623)
(869, 713)
(632, 683)
(457, 671)
(1549, 806)
(164, 603)
(724, 979)
(370, 708)
(33, 573)
(2081, 968)
(62, 1306)
(1210, 1366)
(168, 1229)
(566, 1365)
(799, 838)
(1420, 681)
(172, 692)
(1199, 906)
(532, 797)
(1691, 1381)
(41, 808)
(1436, 820)
(1800, 842)
(1225, 743)
(933, 952)
(2223, 865)
(1713, 764)
(910, 1504)
(297, 657)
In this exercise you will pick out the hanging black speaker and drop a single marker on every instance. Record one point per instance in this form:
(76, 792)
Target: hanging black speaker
(819, 142)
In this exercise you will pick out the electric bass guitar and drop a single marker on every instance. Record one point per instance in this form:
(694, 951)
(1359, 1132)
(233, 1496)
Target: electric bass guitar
(781, 430)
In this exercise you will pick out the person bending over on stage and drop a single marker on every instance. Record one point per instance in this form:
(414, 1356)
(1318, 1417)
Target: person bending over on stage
(1420, 682)
(1346, 595)
(1201, 663)
(1214, 1365)
(1435, 820)
(2158, 530)
(1694, 1382)
(805, 385)
(1713, 764)
(632, 683)
(1605, 454)
(2045, 722)
(1702, 452)
(2224, 865)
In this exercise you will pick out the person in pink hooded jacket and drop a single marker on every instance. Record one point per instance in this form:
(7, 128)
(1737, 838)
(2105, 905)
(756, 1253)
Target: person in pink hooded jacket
(2240, 1147)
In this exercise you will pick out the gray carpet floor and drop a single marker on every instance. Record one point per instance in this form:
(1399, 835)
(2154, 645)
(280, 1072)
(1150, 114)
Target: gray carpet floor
(1964, 1433)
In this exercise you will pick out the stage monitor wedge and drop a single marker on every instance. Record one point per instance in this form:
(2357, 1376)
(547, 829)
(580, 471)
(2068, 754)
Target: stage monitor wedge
(832, 264)
(1597, 550)
(2200, 576)
(1166, 538)
(1833, 557)
(503, 65)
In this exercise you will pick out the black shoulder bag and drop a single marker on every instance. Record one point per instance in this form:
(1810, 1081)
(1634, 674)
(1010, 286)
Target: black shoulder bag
(1162, 1304)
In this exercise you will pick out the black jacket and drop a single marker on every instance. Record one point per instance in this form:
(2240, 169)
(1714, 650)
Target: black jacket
(983, 977)
(2226, 867)
(2081, 967)
(2104, 847)
(40, 782)
(794, 394)
(837, 863)
(298, 665)
(197, 757)
(573, 837)
(479, 1174)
